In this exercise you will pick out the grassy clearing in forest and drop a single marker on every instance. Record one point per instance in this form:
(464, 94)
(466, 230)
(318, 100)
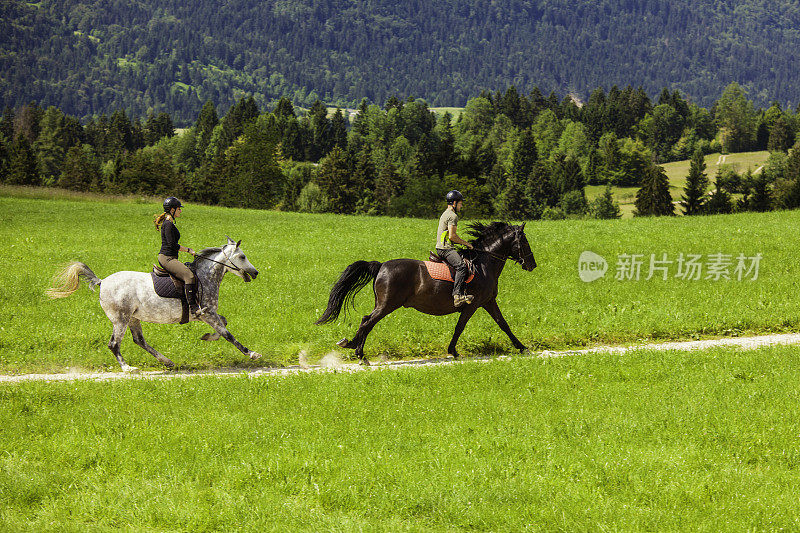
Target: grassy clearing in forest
(300, 256)
(677, 173)
(669, 441)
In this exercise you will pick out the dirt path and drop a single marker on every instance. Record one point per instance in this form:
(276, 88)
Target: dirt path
(332, 361)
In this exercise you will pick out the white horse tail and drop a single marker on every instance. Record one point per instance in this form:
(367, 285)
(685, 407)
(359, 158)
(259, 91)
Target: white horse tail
(66, 281)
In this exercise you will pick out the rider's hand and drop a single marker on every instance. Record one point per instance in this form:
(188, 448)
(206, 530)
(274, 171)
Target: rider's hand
(190, 251)
(469, 245)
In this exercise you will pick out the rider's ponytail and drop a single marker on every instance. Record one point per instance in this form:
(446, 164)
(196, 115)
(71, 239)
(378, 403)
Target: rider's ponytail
(159, 219)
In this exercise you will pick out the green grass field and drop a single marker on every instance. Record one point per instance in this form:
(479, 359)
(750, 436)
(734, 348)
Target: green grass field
(664, 441)
(300, 256)
(677, 173)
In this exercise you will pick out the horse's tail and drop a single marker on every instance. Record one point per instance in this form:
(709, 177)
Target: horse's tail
(352, 280)
(67, 279)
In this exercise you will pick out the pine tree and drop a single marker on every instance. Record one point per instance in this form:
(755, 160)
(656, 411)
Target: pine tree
(719, 201)
(653, 199)
(339, 130)
(513, 203)
(204, 127)
(255, 179)
(22, 163)
(604, 207)
(593, 168)
(523, 157)
(81, 171)
(49, 146)
(321, 130)
(781, 136)
(388, 186)
(334, 178)
(696, 184)
(760, 198)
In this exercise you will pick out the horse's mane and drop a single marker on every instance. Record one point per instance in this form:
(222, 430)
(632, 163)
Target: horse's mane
(205, 252)
(486, 233)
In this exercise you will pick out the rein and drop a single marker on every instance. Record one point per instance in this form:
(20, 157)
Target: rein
(231, 266)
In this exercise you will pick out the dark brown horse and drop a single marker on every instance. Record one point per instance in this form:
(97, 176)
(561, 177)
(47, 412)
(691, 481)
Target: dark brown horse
(406, 283)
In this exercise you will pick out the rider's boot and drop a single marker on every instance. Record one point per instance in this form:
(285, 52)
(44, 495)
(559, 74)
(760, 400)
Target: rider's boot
(191, 298)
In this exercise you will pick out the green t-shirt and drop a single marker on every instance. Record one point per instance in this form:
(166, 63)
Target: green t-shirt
(448, 218)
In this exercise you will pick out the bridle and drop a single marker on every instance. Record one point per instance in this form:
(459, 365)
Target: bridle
(231, 266)
(501, 257)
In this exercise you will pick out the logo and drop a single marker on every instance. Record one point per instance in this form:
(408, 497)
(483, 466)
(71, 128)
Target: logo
(591, 266)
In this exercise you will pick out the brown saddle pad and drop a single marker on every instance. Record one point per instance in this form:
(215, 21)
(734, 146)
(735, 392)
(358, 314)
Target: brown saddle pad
(439, 269)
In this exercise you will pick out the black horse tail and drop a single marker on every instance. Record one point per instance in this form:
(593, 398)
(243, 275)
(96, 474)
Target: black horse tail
(353, 279)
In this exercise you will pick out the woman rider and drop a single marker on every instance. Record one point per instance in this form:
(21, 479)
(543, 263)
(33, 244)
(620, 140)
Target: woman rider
(168, 255)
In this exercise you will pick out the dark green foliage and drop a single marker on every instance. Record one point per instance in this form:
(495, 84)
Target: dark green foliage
(719, 201)
(253, 177)
(604, 207)
(653, 198)
(696, 184)
(335, 180)
(81, 171)
(89, 56)
(22, 163)
(781, 136)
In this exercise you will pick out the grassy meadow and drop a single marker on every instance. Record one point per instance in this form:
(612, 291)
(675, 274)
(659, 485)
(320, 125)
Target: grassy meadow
(677, 173)
(668, 441)
(300, 256)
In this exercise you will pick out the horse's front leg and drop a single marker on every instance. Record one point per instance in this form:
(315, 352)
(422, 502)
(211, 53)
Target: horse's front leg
(466, 314)
(218, 323)
(494, 311)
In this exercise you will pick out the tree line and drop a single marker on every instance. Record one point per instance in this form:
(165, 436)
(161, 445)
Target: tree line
(513, 155)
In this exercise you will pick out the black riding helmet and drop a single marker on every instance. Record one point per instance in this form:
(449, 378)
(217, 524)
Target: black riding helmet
(171, 203)
(454, 196)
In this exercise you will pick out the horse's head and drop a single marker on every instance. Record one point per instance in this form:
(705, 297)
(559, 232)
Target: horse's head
(237, 262)
(521, 249)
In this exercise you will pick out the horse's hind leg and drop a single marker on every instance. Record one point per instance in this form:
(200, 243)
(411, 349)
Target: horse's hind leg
(138, 337)
(120, 326)
(367, 323)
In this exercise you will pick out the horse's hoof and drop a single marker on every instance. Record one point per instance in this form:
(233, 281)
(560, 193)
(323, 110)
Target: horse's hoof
(343, 343)
(209, 337)
(255, 355)
(169, 364)
(363, 362)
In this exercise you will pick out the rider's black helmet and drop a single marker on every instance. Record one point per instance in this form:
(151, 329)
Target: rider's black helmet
(454, 196)
(171, 203)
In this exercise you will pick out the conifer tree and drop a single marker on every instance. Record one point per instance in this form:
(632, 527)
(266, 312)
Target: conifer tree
(81, 171)
(204, 127)
(719, 201)
(22, 163)
(604, 207)
(653, 199)
(696, 184)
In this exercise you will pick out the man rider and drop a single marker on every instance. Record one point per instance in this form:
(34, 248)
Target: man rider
(446, 236)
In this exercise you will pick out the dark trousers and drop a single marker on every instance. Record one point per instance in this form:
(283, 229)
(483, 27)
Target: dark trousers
(454, 259)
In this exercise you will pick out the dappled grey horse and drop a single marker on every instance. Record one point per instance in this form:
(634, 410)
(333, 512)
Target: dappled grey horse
(128, 298)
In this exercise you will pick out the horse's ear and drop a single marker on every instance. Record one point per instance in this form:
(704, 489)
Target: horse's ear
(230, 241)
(522, 227)
(238, 243)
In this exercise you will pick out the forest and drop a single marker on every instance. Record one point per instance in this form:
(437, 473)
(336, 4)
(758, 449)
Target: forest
(513, 155)
(87, 57)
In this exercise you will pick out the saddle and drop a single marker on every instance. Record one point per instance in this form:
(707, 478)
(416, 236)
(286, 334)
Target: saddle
(439, 269)
(168, 286)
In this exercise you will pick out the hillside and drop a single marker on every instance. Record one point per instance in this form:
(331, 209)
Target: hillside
(94, 56)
